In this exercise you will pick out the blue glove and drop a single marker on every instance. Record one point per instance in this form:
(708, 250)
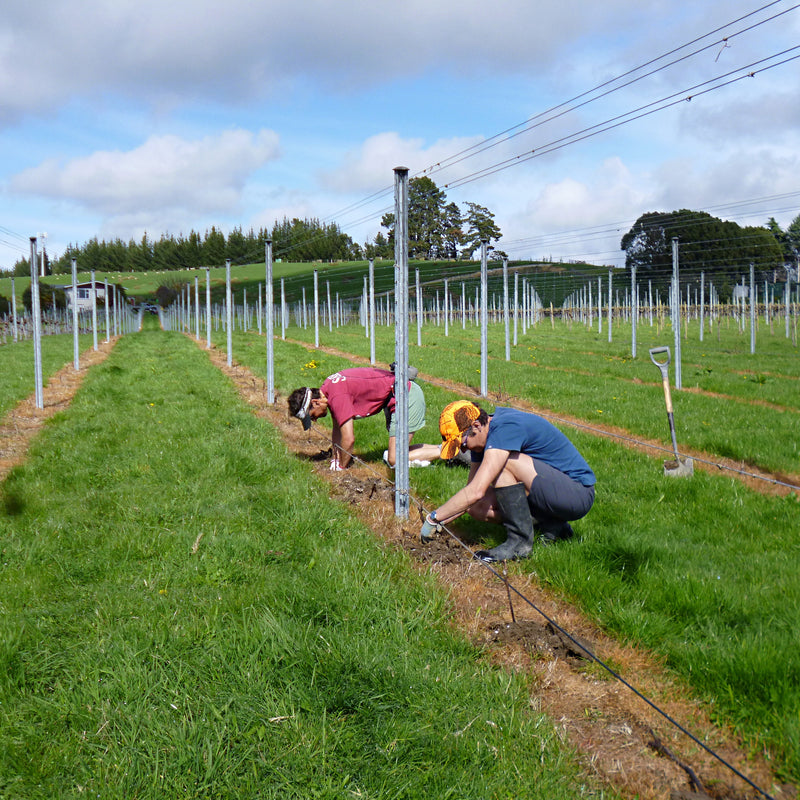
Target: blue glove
(429, 529)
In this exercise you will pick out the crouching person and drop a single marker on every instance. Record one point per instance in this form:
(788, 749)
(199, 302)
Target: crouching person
(525, 473)
(356, 393)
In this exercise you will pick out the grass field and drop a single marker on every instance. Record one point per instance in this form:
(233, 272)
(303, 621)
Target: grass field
(168, 591)
(178, 620)
(704, 571)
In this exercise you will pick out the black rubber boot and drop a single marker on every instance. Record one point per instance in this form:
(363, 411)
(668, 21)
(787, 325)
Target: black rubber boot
(518, 522)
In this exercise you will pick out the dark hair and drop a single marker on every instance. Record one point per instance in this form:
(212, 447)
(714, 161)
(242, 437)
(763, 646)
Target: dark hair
(295, 399)
(483, 417)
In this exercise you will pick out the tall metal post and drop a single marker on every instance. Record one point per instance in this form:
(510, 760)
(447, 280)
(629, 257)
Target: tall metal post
(634, 310)
(14, 323)
(316, 309)
(229, 311)
(401, 496)
(752, 309)
(372, 312)
(283, 311)
(36, 312)
(208, 308)
(484, 320)
(75, 345)
(676, 312)
(419, 310)
(702, 303)
(94, 310)
(516, 305)
(106, 309)
(505, 309)
(269, 323)
(610, 307)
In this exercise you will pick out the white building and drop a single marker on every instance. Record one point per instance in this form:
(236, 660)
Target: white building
(85, 294)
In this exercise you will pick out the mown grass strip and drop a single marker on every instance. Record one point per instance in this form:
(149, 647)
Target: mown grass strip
(702, 571)
(17, 377)
(185, 614)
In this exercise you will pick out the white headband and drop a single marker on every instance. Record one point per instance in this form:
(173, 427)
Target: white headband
(303, 412)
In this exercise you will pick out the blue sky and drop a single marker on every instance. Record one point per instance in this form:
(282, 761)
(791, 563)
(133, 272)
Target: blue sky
(122, 117)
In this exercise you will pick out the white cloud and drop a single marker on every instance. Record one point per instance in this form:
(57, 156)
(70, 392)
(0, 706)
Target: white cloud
(164, 173)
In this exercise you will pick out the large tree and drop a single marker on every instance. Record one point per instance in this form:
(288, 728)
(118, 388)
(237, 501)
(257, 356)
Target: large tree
(705, 243)
(480, 227)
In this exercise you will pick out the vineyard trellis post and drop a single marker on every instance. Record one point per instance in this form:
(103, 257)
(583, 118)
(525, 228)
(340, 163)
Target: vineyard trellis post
(675, 304)
(229, 311)
(75, 345)
(753, 308)
(37, 327)
(401, 496)
(208, 308)
(505, 308)
(15, 325)
(484, 320)
(94, 310)
(269, 322)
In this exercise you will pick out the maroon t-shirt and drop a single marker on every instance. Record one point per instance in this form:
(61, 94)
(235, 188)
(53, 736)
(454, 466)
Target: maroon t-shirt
(358, 392)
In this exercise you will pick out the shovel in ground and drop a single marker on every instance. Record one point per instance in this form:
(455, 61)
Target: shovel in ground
(680, 467)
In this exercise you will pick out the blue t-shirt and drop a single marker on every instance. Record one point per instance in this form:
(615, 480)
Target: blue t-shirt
(518, 431)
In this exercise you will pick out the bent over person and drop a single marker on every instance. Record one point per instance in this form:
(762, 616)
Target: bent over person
(525, 473)
(356, 393)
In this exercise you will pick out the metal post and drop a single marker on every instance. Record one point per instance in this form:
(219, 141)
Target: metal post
(14, 311)
(372, 312)
(401, 497)
(208, 308)
(283, 311)
(505, 309)
(269, 324)
(316, 309)
(75, 344)
(419, 311)
(229, 311)
(634, 310)
(676, 312)
(446, 308)
(610, 307)
(37, 326)
(516, 305)
(702, 303)
(484, 321)
(752, 309)
(105, 298)
(94, 311)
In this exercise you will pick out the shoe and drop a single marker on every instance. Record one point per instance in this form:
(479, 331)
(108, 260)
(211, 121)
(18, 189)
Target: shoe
(417, 463)
(386, 459)
(556, 533)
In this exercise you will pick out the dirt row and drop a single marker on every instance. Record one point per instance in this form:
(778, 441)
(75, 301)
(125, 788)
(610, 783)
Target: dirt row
(621, 738)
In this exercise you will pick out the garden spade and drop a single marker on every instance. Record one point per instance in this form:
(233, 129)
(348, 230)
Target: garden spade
(680, 467)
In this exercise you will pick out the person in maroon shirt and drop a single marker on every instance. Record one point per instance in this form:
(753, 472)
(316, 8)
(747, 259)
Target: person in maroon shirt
(356, 393)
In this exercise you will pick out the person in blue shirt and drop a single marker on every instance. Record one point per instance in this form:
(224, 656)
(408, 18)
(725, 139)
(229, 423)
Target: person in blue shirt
(525, 473)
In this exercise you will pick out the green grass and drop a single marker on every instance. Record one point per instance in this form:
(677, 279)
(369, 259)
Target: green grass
(17, 367)
(185, 614)
(702, 571)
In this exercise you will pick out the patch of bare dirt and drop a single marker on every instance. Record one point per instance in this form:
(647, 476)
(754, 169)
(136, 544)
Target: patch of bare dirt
(523, 626)
(25, 420)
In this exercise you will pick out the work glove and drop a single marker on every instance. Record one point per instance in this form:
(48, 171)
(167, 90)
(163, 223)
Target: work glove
(429, 529)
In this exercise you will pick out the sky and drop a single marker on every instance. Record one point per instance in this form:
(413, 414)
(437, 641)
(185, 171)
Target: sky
(567, 120)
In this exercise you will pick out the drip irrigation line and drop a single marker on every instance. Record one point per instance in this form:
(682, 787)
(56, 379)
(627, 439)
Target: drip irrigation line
(510, 588)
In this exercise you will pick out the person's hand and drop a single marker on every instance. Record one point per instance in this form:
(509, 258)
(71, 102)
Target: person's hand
(429, 529)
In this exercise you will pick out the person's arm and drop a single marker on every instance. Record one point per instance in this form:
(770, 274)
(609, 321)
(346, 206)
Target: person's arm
(343, 438)
(479, 482)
